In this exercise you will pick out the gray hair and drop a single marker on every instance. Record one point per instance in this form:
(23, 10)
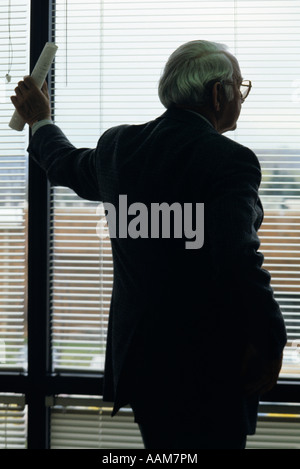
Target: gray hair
(191, 68)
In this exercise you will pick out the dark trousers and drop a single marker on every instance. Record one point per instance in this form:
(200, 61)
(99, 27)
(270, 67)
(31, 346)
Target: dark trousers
(158, 435)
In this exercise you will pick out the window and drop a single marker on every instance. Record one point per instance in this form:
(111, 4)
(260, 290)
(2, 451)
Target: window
(85, 423)
(110, 71)
(81, 263)
(13, 422)
(278, 428)
(14, 60)
(111, 54)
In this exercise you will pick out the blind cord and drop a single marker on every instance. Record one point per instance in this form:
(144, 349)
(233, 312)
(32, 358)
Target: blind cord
(10, 47)
(66, 29)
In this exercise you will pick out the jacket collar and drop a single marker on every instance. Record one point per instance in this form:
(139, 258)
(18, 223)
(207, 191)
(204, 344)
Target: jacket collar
(187, 116)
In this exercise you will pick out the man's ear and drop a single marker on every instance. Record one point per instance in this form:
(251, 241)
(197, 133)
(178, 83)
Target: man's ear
(216, 96)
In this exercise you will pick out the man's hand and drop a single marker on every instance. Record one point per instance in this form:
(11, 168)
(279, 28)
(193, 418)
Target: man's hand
(31, 103)
(259, 375)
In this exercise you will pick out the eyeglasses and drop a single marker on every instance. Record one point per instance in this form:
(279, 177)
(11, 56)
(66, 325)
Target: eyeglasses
(245, 88)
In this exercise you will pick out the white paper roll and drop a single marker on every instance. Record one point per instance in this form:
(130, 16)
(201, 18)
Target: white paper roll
(39, 75)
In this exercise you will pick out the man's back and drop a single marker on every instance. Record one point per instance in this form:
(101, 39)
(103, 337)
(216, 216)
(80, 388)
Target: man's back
(159, 284)
(183, 315)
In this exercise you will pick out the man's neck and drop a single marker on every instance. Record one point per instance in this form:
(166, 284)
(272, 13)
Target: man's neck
(202, 111)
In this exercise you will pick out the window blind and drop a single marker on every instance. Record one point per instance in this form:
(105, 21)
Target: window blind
(278, 427)
(13, 422)
(13, 188)
(85, 423)
(110, 57)
(81, 259)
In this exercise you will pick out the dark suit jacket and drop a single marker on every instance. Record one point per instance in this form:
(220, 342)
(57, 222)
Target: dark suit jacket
(180, 319)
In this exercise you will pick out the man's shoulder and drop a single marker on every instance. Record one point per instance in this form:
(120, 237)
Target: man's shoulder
(230, 150)
(228, 144)
(112, 135)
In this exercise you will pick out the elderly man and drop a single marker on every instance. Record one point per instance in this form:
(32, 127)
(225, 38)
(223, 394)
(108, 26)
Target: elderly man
(195, 335)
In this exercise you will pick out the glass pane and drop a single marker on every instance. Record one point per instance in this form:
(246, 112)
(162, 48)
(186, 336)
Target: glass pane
(81, 263)
(102, 79)
(278, 427)
(85, 423)
(269, 125)
(110, 58)
(13, 422)
(14, 58)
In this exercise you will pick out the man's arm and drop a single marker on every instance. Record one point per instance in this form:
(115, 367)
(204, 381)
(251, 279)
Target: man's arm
(232, 217)
(64, 164)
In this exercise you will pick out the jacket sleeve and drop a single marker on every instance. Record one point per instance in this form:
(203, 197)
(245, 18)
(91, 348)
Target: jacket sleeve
(64, 164)
(233, 215)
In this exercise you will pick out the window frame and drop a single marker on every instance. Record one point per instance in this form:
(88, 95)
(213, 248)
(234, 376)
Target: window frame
(39, 382)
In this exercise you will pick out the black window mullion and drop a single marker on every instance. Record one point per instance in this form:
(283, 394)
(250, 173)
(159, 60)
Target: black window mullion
(38, 263)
